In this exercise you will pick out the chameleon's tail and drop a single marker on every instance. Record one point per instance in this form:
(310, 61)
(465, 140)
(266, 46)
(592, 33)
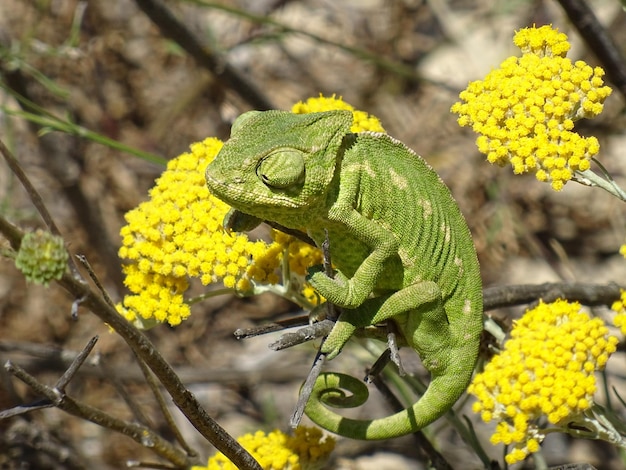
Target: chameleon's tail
(330, 390)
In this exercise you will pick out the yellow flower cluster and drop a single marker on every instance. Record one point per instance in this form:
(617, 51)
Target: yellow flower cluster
(525, 110)
(177, 235)
(301, 255)
(363, 122)
(307, 449)
(545, 369)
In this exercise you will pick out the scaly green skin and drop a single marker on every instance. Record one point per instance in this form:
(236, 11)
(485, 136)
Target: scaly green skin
(401, 247)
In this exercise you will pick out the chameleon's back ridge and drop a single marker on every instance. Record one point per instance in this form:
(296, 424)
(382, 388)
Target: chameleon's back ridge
(398, 241)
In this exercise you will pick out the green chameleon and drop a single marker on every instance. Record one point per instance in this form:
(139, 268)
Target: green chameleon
(400, 246)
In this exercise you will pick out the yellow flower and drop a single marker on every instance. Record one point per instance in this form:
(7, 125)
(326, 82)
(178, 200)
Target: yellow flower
(301, 255)
(177, 234)
(155, 298)
(307, 449)
(619, 306)
(362, 121)
(524, 111)
(545, 370)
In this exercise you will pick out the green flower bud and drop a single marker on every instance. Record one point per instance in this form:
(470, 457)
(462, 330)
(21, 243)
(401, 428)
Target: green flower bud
(42, 257)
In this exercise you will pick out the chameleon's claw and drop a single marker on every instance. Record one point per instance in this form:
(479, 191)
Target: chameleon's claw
(318, 313)
(339, 290)
(394, 352)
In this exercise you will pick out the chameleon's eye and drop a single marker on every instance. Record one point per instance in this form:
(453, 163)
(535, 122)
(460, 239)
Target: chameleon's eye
(282, 169)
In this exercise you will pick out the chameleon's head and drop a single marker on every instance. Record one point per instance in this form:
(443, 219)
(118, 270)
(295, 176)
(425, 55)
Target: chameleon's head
(278, 166)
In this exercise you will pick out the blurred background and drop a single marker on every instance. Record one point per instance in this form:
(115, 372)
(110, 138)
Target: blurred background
(106, 67)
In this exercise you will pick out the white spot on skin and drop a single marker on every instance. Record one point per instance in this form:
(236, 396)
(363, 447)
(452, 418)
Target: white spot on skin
(362, 167)
(445, 228)
(467, 307)
(407, 259)
(459, 263)
(398, 180)
(427, 208)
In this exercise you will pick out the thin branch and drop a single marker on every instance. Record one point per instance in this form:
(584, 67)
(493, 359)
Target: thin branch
(587, 294)
(383, 360)
(606, 182)
(316, 330)
(332, 311)
(169, 419)
(320, 357)
(307, 389)
(182, 397)
(75, 365)
(23, 409)
(300, 320)
(92, 274)
(11, 232)
(493, 298)
(141, 434)
(143, 347)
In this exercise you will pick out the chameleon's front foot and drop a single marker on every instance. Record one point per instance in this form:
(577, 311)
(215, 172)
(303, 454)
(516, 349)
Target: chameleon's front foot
(339, 291)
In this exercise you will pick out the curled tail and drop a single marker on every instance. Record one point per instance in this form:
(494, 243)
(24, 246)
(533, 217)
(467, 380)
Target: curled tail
(338, 390)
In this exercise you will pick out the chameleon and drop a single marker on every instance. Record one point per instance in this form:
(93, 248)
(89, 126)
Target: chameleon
(400, 247)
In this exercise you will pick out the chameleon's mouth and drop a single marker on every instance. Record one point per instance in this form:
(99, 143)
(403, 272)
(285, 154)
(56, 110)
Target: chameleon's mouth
(212, 182)
(220, 184)
(226, 191)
